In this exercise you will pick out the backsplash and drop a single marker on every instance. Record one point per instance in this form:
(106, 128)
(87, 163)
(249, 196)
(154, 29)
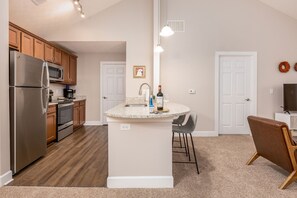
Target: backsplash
(57, 89)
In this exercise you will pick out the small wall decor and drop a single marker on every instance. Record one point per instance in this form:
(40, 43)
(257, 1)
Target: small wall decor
(138, 71)
(284, 67)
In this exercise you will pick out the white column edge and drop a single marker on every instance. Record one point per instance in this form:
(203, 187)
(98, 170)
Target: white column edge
(6, 178)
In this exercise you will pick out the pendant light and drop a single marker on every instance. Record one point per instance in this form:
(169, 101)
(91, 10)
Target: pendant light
(166, 30)
(159, 48)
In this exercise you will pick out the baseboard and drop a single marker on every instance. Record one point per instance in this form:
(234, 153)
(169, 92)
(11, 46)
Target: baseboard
(205, 134)
(93, 123)
(5, 178)
(140, 182)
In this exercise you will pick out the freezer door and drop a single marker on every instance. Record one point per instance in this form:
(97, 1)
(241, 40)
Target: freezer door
(28, 126)
(25, 71)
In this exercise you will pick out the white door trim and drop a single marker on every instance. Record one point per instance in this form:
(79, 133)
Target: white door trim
(101, 82)
(217, 81)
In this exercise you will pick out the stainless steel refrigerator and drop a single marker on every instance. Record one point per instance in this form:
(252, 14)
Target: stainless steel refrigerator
(28, 95)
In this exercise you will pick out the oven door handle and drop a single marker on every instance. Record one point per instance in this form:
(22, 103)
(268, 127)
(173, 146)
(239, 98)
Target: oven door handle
(65, 105)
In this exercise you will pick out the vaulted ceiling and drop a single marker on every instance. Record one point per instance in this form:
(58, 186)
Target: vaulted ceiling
(287, 7)
(52, 14)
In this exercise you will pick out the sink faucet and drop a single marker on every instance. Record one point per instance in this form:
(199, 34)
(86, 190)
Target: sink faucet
(140, 88)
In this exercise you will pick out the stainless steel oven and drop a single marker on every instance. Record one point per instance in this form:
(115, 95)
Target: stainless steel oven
(65, 119)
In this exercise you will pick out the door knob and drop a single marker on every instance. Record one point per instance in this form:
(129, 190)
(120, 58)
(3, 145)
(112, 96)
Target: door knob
(247, 99)
(104, 97)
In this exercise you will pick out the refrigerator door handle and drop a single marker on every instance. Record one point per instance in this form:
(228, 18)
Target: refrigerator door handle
(45, 82)
(47, 75)
(44, 100)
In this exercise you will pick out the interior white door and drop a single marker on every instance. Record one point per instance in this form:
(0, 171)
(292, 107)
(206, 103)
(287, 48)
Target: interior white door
(235, 94)
(113, 86)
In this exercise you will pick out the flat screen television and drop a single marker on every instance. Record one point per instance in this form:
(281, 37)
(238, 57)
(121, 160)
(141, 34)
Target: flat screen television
(290, 97)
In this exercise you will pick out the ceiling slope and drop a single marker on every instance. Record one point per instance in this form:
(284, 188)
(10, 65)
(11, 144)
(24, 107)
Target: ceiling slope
(287, 7)
(52, 14)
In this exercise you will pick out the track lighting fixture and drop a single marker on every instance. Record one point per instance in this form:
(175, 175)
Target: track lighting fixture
(79, 8)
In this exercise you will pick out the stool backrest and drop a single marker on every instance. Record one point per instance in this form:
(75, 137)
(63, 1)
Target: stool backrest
(191, 123)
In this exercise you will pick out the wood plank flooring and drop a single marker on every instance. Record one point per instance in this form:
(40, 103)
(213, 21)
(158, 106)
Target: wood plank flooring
(80, 160)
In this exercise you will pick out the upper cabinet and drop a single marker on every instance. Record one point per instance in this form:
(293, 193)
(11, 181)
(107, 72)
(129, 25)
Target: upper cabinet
(38, 49)
(32, 45)
(27, 43)
(65, 65)
(14, 38)
(72, 70)
(48, 53)
(57, 56)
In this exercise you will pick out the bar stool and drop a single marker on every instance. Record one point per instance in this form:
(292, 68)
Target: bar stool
(178, 122)
(186, 129)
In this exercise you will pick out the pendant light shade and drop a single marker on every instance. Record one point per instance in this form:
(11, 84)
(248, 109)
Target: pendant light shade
(166, 31)
(159, 49)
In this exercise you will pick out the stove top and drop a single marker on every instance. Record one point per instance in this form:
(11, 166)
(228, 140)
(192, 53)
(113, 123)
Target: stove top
(63, 101)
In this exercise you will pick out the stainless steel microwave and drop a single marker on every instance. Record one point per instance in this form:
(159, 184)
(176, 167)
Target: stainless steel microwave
(56, 72)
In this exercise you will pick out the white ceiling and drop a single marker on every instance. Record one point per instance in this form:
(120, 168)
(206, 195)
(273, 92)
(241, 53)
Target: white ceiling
(52, 14)
(95, 46)
(288, 7)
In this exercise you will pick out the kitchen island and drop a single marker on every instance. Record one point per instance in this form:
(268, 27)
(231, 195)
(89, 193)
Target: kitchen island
(139, 146)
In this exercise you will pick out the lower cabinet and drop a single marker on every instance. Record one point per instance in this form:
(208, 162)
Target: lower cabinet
(79, 114)
(51, 124)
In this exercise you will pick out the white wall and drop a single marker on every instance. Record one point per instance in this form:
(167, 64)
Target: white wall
(129, 20)
(4, 96)
(226, 25)
(88, 81)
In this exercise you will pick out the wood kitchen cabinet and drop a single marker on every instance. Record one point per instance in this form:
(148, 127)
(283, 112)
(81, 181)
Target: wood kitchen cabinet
(65, 65)
(48, 53)
(38, 49)
(27, 44)
(57, 56)
(79, 114)
(14, 38)
(72, 70)
(51, 124)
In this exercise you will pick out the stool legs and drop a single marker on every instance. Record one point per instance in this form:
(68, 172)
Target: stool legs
(194, 153)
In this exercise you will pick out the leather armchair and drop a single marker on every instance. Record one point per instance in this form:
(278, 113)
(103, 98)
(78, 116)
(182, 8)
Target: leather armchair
(274, 142)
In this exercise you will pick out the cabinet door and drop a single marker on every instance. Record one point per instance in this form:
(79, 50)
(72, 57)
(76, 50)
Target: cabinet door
(14, 38)
(82, 114)
(38, 49)
(72, 70)
(76, 117)
(57, 56)
(51, 127)
(48, 53)
(27, 44)
(65, 65)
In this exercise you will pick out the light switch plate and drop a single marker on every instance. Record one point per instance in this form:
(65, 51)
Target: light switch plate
(192, 91)
(125, 127)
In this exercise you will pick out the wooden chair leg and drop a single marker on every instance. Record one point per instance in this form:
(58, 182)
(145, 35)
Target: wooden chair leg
(253, 158)
(292, 177)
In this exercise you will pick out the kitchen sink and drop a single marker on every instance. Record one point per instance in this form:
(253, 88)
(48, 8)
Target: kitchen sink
(135, 105)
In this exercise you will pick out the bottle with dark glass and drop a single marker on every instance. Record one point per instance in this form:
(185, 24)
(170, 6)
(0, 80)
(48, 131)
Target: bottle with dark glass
(160, 99)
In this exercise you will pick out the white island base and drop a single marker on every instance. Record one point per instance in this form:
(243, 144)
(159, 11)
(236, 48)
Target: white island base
(140, 153)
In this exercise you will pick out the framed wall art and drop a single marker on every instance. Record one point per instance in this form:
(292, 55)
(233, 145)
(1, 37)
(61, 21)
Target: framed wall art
(138, 71)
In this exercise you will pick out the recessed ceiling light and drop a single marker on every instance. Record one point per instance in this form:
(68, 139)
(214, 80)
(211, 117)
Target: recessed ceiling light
(82, 15)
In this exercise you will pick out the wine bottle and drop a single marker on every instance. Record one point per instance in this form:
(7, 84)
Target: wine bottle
(160, 99)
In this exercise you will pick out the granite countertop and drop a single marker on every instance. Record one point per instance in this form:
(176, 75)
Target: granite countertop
(52, 103)
(141, 112)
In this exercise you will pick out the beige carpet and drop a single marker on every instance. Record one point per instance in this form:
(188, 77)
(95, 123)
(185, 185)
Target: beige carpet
(223, 174)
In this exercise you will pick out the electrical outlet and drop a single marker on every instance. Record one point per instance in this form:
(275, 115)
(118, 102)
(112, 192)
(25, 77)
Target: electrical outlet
(192, 91)
(125, 127)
